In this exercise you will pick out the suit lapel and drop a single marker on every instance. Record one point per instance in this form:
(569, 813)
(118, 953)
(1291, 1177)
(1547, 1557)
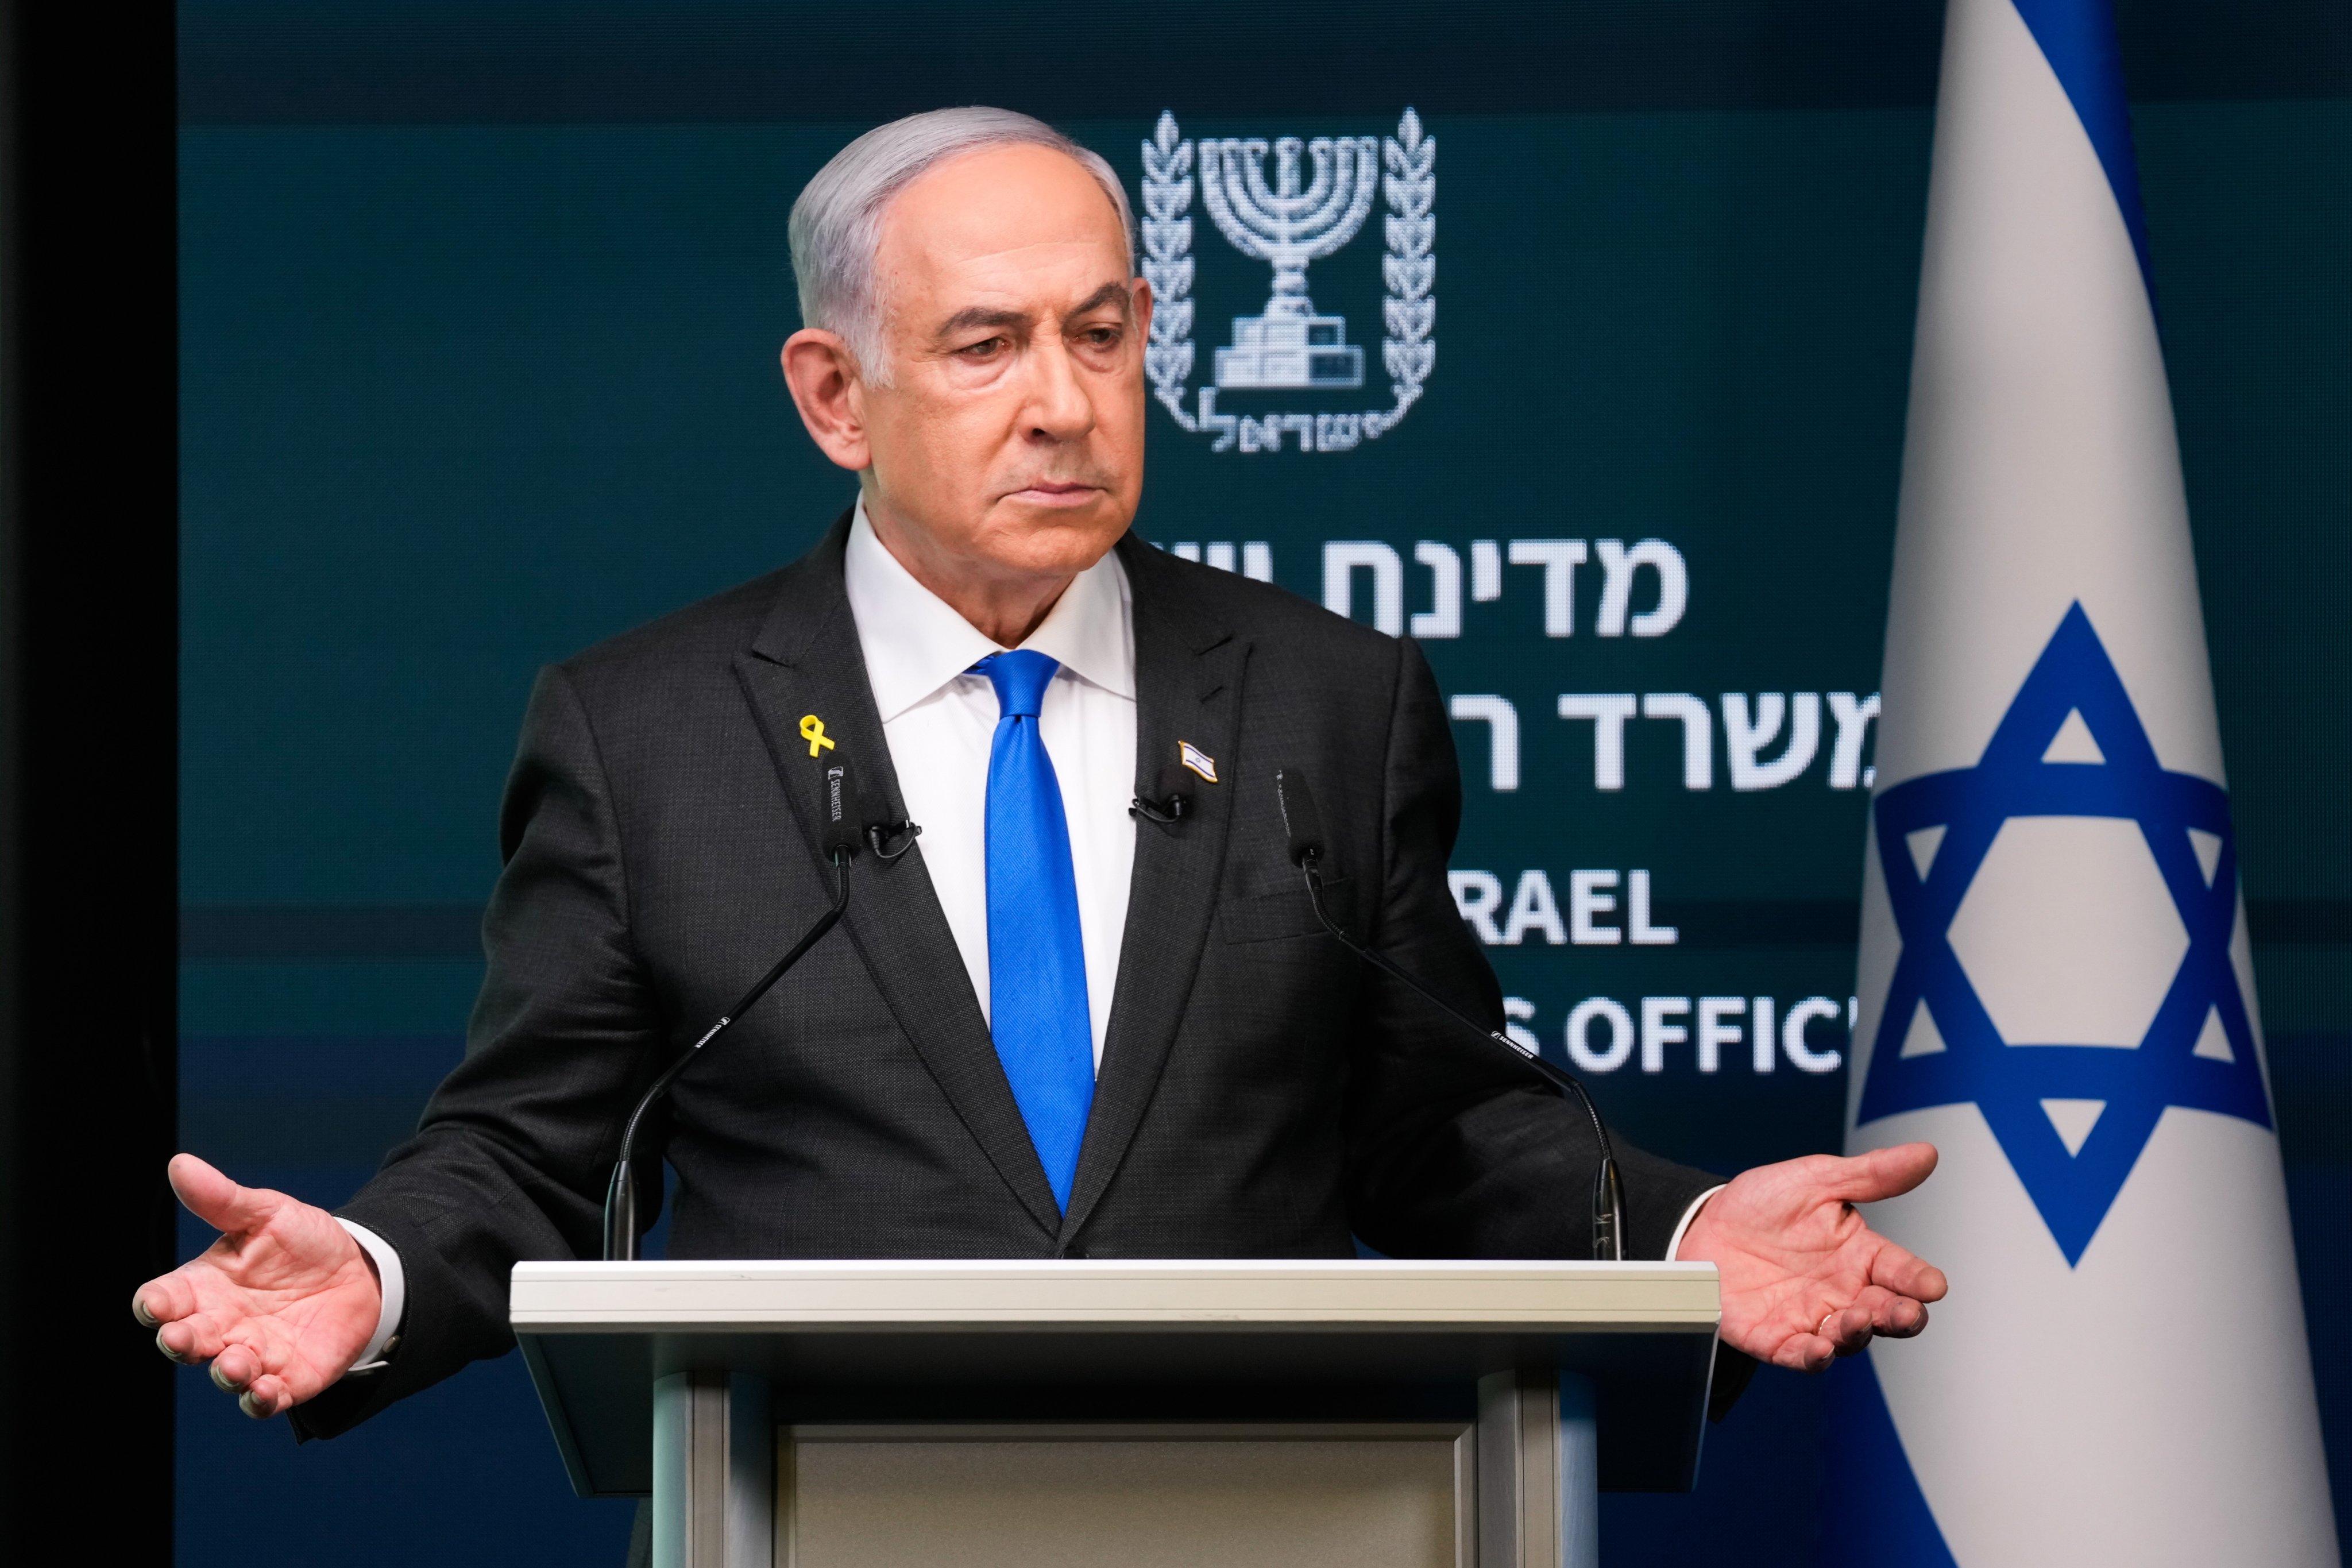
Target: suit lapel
(807, 659)
(1188, 683)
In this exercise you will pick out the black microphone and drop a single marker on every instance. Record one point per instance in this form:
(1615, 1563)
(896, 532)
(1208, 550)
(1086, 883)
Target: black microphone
(843, 822)
(1303, 826)
(1171, 805)
(843, 827)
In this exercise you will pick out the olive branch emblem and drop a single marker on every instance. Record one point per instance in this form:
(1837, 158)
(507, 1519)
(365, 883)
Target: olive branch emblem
(1173, 169)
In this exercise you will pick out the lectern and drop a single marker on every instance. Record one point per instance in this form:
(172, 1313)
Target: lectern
(1165, 1414)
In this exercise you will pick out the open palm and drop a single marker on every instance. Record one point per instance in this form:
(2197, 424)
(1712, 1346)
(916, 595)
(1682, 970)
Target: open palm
(1804, 1279)
(281, 1304)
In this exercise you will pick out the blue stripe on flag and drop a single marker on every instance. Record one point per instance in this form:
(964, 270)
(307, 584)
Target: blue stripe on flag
(2078, 40)
(1873, 1514)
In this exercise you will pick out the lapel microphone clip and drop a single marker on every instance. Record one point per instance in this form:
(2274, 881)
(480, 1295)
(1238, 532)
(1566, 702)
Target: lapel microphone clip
(1174, 803)
(879, 836)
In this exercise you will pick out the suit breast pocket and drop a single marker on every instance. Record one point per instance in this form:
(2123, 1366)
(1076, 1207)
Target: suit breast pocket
(1285, 913)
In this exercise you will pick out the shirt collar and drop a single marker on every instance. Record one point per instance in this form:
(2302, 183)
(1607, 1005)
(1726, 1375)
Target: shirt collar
(915, 643)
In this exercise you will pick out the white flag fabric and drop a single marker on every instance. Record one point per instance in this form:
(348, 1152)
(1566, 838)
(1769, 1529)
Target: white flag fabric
(2055, 981)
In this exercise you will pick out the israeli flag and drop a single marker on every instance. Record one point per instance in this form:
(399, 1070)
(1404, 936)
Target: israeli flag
(2056, 986)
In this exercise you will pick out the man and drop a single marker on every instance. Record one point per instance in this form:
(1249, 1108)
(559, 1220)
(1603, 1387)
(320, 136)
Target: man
(1051, 1027)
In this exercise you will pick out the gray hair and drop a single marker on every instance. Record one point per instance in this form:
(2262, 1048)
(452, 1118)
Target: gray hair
(836, 224)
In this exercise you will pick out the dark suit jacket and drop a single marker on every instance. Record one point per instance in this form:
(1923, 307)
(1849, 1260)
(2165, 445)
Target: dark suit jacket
(1262, 1093)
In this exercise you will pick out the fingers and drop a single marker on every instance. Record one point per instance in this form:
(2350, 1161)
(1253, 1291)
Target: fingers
(268, 1396)
(1904, 1314)
(1905, 1321)
(1905, 1273)
(1844, 1333)
(236, 1368)
(1848, 1329)
(163, 1301)
(259, 1394)
(1884, 1314)
(220, 1202)
(1883, 1172)
(188, 1343)
(1804, 1352)
(184, 1333)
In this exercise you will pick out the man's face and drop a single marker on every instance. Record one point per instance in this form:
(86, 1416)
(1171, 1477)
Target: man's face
(1010, 437)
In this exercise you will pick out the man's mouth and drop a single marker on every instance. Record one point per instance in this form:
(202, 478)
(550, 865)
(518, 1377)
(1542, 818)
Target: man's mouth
(1055, 492)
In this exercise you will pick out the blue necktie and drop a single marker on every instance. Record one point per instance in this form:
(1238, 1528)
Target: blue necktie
(1037, 958)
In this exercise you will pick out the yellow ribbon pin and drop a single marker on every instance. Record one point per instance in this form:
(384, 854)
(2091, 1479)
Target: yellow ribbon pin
(813, 732)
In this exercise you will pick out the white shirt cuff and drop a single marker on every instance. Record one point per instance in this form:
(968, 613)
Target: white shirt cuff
(396, 1296)
(1675, 1243)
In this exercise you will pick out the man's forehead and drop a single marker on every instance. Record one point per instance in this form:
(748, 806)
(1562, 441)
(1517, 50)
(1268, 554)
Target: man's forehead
(996, 219)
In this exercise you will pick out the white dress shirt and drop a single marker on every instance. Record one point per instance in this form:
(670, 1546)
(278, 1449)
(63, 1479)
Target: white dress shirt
(940, 723)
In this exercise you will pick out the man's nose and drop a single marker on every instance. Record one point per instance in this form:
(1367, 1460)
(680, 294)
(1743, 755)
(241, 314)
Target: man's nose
(1059, 406)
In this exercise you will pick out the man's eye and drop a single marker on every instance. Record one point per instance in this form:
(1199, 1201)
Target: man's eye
(1102, 337)
(987, 348)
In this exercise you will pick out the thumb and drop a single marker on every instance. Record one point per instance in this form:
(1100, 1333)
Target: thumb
(1886, 1173)
(220, 1202)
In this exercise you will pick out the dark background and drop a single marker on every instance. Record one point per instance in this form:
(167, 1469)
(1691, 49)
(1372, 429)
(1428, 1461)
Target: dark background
(477, 314)
(88, 736)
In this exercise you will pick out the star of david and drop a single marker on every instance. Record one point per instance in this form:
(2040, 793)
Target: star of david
(2009, 1080)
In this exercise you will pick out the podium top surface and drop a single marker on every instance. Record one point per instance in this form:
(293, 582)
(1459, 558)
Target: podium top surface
(1095, 1339)
(801, 1297)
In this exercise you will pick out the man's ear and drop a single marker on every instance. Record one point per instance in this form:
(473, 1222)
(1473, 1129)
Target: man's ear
(1141, 294)
(826, 388)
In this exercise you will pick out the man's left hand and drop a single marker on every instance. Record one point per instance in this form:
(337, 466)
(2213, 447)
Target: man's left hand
(1804, 1279)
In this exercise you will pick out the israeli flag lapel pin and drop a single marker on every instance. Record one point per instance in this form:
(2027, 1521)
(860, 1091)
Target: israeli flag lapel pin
(1199, 761)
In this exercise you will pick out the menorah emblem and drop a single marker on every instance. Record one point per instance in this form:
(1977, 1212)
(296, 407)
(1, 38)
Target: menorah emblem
(1290, 346)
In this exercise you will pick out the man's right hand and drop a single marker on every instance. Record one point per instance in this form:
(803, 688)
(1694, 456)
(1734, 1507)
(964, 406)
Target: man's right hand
(281, 1304)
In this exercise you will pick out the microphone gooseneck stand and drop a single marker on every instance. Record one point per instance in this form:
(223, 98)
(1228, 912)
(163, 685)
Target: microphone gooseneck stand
(1303, 824)
(621, 1196)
